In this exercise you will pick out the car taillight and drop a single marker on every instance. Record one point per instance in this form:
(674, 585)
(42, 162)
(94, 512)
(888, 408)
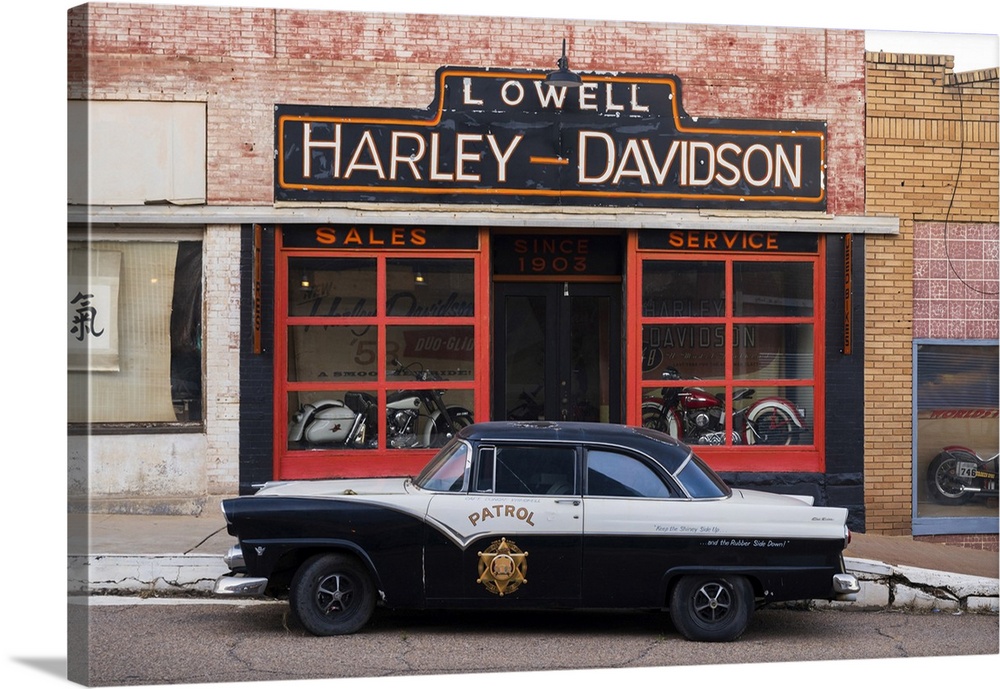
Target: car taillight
(847, 537)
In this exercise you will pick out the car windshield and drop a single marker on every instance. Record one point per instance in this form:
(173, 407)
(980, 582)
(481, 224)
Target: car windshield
(699, 480)
(447, 470)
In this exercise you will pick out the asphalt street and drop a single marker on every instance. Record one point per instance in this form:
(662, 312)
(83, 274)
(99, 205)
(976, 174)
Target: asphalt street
(136, 643)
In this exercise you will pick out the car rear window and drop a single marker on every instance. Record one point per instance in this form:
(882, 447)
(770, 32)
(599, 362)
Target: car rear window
(614, 474)
(699, 480)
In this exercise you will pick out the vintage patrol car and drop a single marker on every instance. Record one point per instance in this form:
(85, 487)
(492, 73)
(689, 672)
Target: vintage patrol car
(538, 515)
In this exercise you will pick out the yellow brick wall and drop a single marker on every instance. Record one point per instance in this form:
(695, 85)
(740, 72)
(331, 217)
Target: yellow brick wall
(924, 125)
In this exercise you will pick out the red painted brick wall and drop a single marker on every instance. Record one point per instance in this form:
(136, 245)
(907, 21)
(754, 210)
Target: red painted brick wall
(242, 61)
(975, 541)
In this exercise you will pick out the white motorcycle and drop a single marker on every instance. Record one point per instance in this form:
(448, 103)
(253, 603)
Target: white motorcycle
(413, 418)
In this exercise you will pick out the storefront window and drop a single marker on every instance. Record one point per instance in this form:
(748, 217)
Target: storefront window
(331, 287)
(379, 348)
(772, 289)
(429, 288)
(729, 350)
(694, 350)
(691, 289)
(773, 351)
(957, 424)
(431, 352)
(134, 333)
(310, 347)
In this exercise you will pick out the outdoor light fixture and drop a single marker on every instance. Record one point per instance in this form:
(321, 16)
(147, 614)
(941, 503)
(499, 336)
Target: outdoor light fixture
(563, 76)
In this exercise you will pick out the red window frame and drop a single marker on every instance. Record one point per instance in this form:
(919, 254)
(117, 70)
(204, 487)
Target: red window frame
(743, 458)
(292, 464)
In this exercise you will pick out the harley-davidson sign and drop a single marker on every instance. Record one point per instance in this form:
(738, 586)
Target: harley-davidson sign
(505, 136)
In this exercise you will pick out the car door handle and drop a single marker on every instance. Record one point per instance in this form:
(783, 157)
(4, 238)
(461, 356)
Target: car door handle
(568, 502)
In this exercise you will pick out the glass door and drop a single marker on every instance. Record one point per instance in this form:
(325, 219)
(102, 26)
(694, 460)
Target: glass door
(558, 351)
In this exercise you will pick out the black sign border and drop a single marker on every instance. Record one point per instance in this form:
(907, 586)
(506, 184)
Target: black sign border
(435, 113)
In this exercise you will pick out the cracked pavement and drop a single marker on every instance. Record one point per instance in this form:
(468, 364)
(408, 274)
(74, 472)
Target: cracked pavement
(135, 642)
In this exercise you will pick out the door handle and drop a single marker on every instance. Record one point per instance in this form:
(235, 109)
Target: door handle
(574, 503)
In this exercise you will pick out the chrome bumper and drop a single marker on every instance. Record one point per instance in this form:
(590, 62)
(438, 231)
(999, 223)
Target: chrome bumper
(233, 584)
(845, 587)
(238, 585)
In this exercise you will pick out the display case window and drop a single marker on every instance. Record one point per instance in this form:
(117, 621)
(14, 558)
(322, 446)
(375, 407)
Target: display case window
(377, 360)
(134, 327)
(956, 425)
(730, 355)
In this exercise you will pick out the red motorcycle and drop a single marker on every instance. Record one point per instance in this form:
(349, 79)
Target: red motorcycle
(957, 475)
(698, 416)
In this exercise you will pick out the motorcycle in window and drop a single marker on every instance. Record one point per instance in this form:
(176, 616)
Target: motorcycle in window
(413, 418)
(528, 408)
(957, 474)
(698, 417)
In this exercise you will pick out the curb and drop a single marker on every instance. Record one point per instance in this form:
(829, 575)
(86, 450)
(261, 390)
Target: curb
(900, 587)
(162, 574)
(883, 586)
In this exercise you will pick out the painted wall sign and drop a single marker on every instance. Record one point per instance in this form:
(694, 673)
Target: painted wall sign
(744, 241)
(504, 136)
(379, 237)
(561, 255)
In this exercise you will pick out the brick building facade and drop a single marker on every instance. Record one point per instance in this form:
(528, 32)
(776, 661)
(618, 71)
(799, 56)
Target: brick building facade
(932, 161)
(238, 64)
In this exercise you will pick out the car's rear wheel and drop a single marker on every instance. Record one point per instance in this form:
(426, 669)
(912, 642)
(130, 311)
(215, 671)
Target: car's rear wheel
(332, 594)
(711, 607)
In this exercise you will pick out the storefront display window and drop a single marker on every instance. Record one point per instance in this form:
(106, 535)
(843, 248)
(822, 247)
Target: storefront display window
(955, 437)
(773, 289)
(134, 334)
(379, 346)
(729, 347)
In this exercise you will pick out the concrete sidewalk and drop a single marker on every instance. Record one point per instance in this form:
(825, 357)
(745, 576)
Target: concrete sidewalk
(140, 554)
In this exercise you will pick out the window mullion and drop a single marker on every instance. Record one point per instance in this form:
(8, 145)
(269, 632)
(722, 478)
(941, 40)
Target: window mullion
(381, 292)
(728, 352)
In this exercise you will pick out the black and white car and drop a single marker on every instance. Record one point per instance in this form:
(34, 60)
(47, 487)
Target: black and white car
(512, 515)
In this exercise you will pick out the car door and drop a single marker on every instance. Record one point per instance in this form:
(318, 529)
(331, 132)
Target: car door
(632, 512)
(514, 537)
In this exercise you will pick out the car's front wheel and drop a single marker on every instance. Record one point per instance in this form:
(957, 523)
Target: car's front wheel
(332, 594)
(711, 607)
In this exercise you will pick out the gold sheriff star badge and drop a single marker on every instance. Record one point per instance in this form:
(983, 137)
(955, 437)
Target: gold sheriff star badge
(502, 567)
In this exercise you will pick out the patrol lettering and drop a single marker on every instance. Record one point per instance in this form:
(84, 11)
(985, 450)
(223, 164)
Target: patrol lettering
(497, 511)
